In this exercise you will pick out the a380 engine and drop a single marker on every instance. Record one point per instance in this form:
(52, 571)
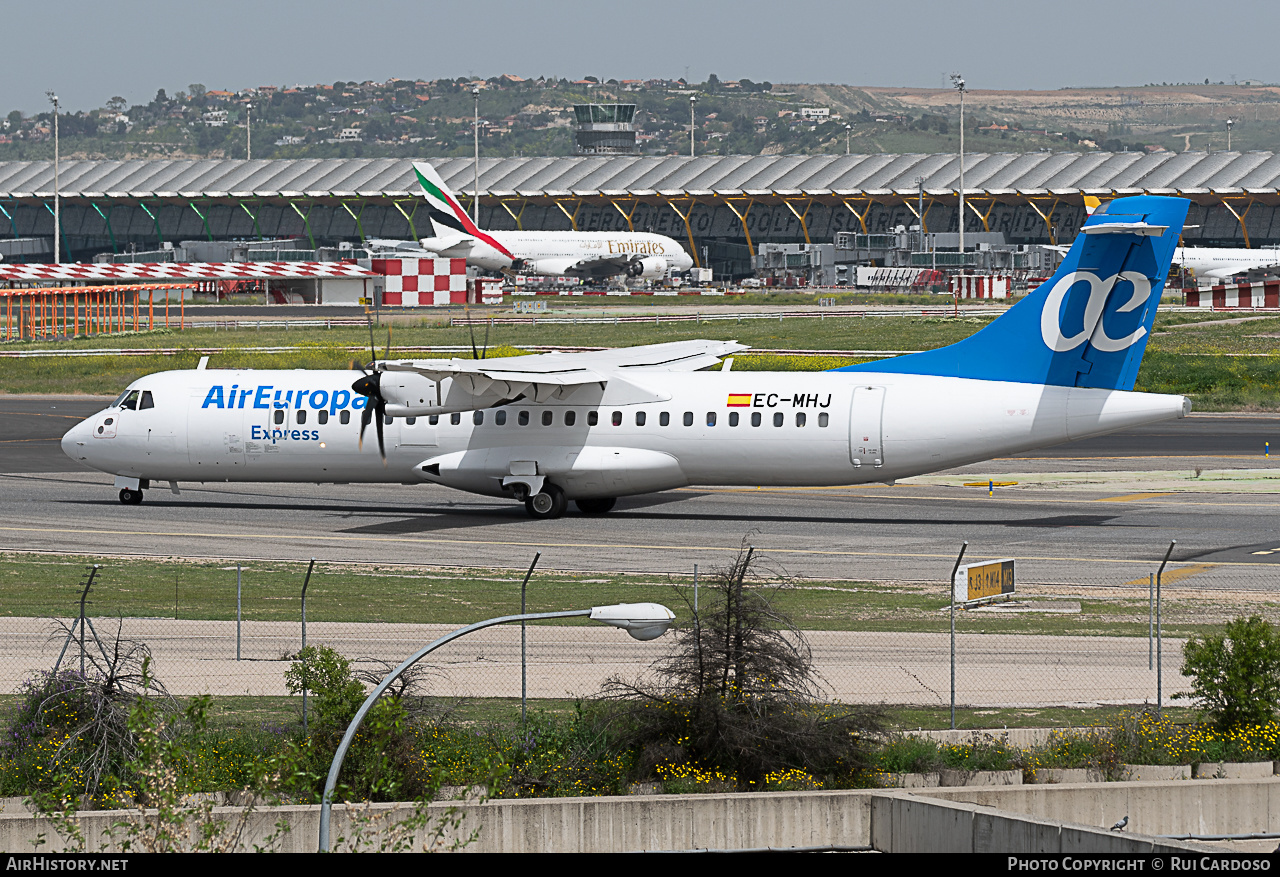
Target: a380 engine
(647, 267)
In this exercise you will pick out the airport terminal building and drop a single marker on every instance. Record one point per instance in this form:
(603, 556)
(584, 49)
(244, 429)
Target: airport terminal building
(723, 208)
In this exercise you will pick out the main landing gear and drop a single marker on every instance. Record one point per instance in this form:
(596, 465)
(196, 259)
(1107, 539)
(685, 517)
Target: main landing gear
(551, 503)
(548, 504)
(131, 497)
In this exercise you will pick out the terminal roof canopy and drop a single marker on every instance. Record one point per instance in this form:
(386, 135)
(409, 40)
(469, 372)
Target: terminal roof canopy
(1030, 174)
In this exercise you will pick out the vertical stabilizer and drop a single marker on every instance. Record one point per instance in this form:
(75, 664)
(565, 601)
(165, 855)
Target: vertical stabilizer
(1088, 326)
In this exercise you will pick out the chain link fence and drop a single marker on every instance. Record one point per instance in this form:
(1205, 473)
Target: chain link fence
(1078, 634)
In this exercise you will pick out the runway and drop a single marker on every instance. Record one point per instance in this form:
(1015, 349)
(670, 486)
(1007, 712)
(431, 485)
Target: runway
(1130, 494)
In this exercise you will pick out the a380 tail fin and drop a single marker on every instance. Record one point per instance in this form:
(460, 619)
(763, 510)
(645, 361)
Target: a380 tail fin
(446, 210)
(1088, 326)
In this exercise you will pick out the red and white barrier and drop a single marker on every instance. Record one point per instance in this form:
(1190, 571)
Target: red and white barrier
(1244, 294)
(423, 282)
(979, 286)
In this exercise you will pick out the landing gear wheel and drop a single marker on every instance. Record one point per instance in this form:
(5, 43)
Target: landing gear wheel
(131, 497)
(597, 506)
(548, 504)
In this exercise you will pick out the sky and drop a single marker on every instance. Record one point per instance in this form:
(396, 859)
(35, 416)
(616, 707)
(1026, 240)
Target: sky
(87, 52)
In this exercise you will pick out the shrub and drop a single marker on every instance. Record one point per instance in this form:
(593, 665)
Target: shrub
(1236, 675)
(738, 696)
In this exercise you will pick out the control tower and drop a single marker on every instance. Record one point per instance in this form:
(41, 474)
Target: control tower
(605, 129)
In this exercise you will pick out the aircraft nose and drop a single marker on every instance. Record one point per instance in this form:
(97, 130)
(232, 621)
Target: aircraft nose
(75, 442)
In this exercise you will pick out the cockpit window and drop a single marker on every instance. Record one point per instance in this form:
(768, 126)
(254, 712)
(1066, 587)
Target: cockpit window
(130, 400)
(120, 399)
(147, 401)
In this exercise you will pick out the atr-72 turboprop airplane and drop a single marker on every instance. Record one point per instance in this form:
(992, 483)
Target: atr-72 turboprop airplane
(571, 253)
(590, 427)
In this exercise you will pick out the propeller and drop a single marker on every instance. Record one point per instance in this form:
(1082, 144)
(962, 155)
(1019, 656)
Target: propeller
(471, 328)
(370, 386)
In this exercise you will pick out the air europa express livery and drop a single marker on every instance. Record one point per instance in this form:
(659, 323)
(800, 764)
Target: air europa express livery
(590, 427)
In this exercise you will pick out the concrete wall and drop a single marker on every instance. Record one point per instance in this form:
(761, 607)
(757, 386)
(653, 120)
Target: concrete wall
(1063, 818)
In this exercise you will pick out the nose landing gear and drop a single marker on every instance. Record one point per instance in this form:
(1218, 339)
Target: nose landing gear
(131, 497)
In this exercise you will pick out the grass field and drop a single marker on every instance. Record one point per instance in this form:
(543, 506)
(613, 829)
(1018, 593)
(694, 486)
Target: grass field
(45, 585)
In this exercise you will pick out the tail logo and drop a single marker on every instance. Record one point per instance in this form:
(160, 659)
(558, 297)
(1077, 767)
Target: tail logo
(1093, 329)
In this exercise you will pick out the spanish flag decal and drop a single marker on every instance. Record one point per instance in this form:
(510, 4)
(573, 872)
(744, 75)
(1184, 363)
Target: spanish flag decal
(739, 400)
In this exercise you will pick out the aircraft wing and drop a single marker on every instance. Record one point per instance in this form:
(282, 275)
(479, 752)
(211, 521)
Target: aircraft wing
(543, 375)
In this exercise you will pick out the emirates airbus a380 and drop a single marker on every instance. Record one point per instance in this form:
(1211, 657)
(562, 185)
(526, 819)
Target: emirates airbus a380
(590, 427)
(557, 253)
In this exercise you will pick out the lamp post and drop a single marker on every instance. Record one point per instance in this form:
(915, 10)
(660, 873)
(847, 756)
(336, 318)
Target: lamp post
(248, 132)
(1230, 123)
(475, 191)
(847, 129)
(644, 621)
(958, 81)
(57, 199)
(693, 100)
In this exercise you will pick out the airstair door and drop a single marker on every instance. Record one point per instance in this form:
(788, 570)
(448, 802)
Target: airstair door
(866, 444)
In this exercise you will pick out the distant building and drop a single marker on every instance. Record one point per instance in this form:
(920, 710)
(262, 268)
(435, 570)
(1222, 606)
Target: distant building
(605, 129)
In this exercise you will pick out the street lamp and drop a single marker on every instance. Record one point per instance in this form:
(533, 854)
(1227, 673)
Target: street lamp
(1230, 123)
(847, 129)
(248, 132)
(475, 192)
(958, 82)
(693, 99)
(57, 201)
(644, 621)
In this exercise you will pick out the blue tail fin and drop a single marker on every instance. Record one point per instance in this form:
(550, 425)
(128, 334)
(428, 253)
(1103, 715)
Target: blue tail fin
(1087, 326)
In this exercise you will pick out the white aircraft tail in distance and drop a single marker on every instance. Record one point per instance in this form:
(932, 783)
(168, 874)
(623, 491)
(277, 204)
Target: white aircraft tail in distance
(557, 253)
(590, 427)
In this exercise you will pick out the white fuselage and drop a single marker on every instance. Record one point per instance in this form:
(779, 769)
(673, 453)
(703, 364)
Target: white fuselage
(705, 428)
(1219, 263)
(558, 252)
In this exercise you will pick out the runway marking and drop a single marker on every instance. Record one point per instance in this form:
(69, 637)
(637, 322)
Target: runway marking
(734, 549)
(1132, 497)
(970, 498)
(1177, 575)
(55, 438)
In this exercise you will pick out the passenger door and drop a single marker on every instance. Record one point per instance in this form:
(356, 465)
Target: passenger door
(866, 417)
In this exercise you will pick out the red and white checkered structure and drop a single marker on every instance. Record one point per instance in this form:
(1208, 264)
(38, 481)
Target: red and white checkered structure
(182, 271)
(979, 286)
(423, 282)
(1244, 294)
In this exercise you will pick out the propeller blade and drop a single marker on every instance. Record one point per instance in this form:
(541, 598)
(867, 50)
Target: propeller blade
(365, 417)
(487, 326)
(373, 351)
(471, 329)
(387, 355)
(381, 415)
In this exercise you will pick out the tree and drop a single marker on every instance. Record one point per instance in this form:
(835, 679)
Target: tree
(197, 90)
(1236, 674)
(739, 693)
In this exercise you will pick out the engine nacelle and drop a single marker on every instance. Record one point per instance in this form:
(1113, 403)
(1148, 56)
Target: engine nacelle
(648, 267)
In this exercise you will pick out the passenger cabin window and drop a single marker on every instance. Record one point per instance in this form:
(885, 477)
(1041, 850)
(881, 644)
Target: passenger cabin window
(593, 417)
(477, 418)
(388, 420)
(688, 418)
(500, 417)
(822, 419)
(733, 418)
(664, 419)
(801, 418)
(455, 418)
(302, 416)
(640, 418)
(147, 401)
(523, 418)
(433, 420)
(323, 417)
(778, 418)
(548, 417)
(570, 418)
(344, 416)
(711, 418)
(408, 421)
(616, 418)
(755, 418)
(279, 416)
